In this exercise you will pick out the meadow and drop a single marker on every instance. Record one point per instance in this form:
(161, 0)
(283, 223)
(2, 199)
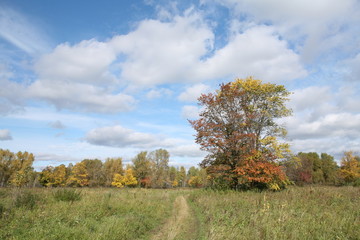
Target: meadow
(313, 212)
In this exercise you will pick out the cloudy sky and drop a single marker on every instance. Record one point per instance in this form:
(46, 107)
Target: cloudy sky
(97, 79)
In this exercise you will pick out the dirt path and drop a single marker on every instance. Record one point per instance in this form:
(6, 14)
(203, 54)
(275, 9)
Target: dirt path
(181, 225)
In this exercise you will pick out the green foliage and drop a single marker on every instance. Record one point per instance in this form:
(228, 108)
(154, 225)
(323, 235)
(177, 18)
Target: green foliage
(25, 199)
(308, 168)
(67, 195)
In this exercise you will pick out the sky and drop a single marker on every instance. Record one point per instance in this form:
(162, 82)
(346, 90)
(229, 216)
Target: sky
(97, 79)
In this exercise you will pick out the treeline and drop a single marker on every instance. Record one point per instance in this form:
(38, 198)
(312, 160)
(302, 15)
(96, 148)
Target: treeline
(310, 168)
(148, 170)
(152, 170)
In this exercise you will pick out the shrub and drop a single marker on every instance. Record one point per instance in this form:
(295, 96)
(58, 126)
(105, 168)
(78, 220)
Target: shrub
(67, 195)
(25, 199)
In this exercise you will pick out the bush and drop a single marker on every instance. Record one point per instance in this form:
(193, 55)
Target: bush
(2, 210)
(25, 199)
(67, 195)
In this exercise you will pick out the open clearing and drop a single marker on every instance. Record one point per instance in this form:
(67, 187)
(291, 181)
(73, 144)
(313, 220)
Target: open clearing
(150, 214)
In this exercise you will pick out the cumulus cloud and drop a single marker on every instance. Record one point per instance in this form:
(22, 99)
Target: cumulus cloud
(85, 62)
(81, 97)
(314, 27)
(324, 120)
(164, 52)
(192, 93)
(256, 52)
(118, 136)
(310, 97)
(188, 150)
(5, 135)
(91, 76)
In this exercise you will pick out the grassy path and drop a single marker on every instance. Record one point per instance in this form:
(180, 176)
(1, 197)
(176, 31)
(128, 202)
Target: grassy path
(181, 225)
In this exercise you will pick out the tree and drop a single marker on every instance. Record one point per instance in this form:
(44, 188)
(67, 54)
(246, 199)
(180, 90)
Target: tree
(94, 168)
(142, 168)
(182, 176)
(46, 177)
(21, 168)
(59, 176)
(129, 179)
(118, 180)
(307, 168)
(79, 176)
(160, 162)
(112, 166)
(238, 128)
(6, 170)
(350, 168)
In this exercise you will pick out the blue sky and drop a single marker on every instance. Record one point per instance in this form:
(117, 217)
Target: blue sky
(90, 79)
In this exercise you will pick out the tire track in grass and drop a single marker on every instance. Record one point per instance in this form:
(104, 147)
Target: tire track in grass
(181, 225)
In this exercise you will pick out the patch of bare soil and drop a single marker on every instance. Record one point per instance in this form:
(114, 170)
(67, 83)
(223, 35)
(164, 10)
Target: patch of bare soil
(181, 225)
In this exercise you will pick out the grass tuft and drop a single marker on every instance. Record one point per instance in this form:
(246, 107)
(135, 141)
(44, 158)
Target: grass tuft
(67, 195)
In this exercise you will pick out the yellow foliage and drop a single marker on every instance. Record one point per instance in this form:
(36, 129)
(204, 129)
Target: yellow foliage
(175, 183)
(118, 181)
(127, 180)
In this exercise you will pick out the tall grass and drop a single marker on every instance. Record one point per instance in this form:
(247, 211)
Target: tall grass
(296, 213)
(99, 214)
(104, 213)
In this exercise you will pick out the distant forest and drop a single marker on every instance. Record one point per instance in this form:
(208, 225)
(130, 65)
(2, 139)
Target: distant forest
(152, 170)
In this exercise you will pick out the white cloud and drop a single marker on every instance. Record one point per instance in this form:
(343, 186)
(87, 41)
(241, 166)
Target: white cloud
(309, 98)
(189, 150)
(164, 52)
(118, 136)
(314, 27)
(256, 52)
(158, 93)
(81, 97)
(5, 135)
(17, 29)
(190, 112)
(85, 62)
(192, 93)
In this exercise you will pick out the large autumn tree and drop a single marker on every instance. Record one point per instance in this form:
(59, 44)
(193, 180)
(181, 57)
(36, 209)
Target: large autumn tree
(238, 127)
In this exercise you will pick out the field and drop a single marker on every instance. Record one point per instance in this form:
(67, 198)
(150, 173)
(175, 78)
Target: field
(108, 213)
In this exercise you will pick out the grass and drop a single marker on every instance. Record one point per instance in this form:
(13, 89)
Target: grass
(109, 213)
(100, 214)
(297, 213)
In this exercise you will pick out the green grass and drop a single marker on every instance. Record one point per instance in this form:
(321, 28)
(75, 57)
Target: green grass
(109, 213)
(296, 213)
(100, 214)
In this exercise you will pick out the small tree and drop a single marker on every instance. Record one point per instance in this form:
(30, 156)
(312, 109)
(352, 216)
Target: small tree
(350, 168)
(79, 176)
(118, 181)
(237, 127)
(129, 179)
